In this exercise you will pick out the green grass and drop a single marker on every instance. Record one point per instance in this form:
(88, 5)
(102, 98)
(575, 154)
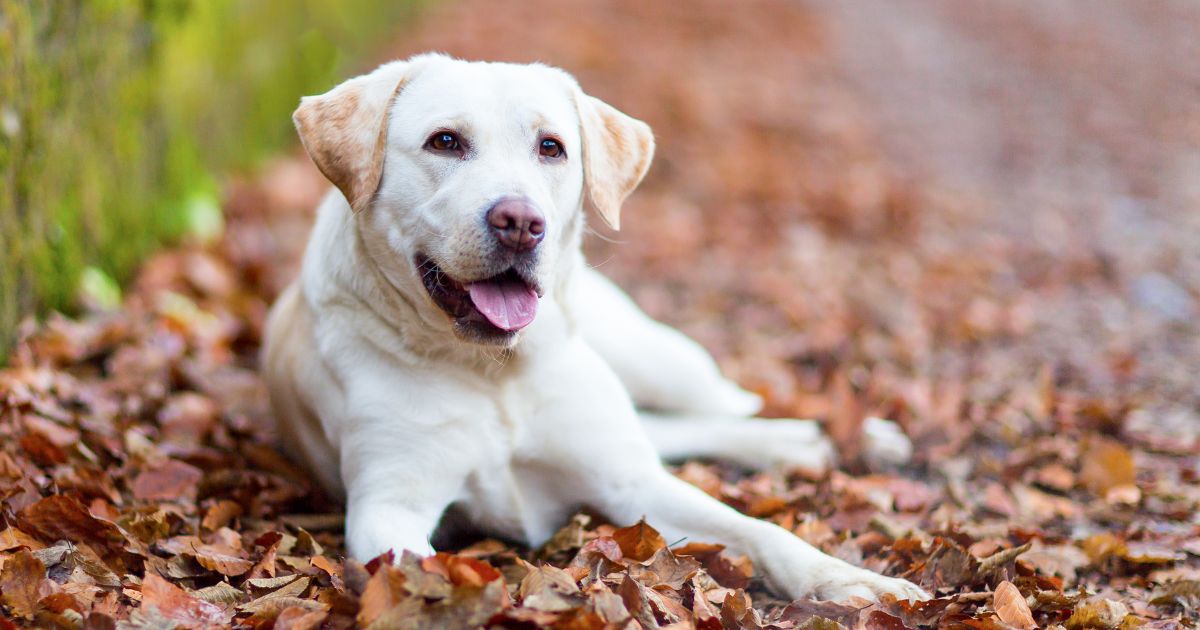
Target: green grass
(115, 115)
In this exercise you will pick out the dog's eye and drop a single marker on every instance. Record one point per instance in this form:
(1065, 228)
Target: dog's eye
(444, 141)
(551, 148)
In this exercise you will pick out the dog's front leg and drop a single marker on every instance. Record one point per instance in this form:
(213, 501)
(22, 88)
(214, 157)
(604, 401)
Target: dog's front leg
(402, 467)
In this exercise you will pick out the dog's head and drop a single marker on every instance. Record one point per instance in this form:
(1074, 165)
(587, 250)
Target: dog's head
(469, 179)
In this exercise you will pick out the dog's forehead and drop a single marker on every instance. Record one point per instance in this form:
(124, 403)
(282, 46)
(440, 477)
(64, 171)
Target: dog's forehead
(451, 88)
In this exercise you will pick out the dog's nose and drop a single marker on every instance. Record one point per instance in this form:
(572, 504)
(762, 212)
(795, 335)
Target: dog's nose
(517, 224)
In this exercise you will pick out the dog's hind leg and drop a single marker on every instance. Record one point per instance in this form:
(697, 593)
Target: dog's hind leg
(660, 367)
(755, 443)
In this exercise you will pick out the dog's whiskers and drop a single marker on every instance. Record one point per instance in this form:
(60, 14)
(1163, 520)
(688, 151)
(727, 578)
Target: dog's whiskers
(601, 263)
(606, 239)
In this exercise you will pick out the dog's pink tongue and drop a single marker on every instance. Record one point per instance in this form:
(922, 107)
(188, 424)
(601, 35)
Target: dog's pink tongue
(508, 304)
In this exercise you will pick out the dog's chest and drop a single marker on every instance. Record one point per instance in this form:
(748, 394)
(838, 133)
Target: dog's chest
(507, 492)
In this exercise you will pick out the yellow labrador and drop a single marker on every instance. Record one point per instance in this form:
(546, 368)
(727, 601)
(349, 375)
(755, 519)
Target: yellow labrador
(447, 344)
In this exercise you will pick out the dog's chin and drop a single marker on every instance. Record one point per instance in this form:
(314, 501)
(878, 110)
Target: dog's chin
(453, 298)
(485, 334)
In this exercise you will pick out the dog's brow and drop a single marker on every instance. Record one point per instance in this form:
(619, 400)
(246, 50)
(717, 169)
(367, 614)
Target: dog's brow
(458, 122)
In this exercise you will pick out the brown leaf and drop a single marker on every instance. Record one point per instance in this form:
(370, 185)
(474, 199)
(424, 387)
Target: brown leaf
(949, 565)
(297, 618)
(467, 607)
(1100, 548)
(639, 541)
(730, 573)
(1100, 613)
(42, 450)
(737, 612)
(879, 620)
(384, 590)
(568, 538)
(21, 582)
(220, 515)
(461, 570)
(266, 609)
(550, 589)
(665, 569)
(607, 604)
(706, 616)
(59, 517)
(599, 557)
(580, 619)
(171, 480)
(1106, 464)
(60, 602)
(12, 538)
(175, 604)
(1182, 593)
(223, 555)
(222, 563)
(998, 561)
(1011, 608)
(332, 568)
(420, 582)
(846, 422)
(1058, 560)
(915, 613)
(637, 602)
(187, 418)
(221, 594)
(803, 610)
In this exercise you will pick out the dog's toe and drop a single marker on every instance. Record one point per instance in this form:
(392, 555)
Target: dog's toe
(870, 586)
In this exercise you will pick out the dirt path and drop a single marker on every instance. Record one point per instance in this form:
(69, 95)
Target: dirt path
(977, 219)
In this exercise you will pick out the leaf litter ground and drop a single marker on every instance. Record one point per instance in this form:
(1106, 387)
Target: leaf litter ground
(1037, 339)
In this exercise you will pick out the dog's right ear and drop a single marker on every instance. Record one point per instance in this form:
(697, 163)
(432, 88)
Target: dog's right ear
(345, 130)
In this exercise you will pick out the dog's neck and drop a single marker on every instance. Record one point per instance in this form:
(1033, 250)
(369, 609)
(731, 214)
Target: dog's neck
(345, 263)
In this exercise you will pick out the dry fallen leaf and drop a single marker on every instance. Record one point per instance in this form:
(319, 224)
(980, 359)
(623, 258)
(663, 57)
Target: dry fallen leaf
(1106, 464)
(1011, 608)
(21, 581)
(383, 591)
(175, 604)
(639, 541)
(1097, 613)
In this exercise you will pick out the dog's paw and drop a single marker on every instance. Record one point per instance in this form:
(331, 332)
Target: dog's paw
(844, 584)
(792, 444)
(884, 444)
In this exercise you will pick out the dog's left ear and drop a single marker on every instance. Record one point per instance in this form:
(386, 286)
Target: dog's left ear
(345, 130)
(617, 150)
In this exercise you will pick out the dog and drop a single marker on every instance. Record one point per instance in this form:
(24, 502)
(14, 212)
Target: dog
(446, 344)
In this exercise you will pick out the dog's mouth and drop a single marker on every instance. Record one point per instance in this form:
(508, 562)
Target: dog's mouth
(494, 307)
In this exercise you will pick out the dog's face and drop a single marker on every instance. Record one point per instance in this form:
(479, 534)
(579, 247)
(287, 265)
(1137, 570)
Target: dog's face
(469, 179)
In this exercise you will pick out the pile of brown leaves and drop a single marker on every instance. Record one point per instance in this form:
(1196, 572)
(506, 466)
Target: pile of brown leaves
(1042, 375)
